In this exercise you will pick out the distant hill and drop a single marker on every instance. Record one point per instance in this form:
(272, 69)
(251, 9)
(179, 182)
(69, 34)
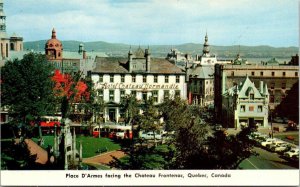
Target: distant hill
(119, 49)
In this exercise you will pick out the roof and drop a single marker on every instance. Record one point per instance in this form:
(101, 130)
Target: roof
(202, 72)
(120, 65)
(246, 87)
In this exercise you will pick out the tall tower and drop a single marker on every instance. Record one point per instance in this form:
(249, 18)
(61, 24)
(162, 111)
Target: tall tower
(4, 40)
(2, 18)
(53, 48)
(206, 47)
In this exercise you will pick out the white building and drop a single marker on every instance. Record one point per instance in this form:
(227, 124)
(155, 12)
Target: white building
(140, 75)
(244, 104)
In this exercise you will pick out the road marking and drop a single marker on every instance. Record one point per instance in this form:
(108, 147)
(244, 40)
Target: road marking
(252, 164)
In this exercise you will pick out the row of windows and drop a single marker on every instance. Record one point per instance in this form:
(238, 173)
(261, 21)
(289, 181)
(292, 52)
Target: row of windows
(133, 78)
(272, 73)
(283, 85)
(251, 108)
(166, 94)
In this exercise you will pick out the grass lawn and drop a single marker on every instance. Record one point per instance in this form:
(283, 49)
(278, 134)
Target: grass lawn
(283, 137)
(89, 144)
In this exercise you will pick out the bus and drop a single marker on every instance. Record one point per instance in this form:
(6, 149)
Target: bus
(48, 124)
(113, 131)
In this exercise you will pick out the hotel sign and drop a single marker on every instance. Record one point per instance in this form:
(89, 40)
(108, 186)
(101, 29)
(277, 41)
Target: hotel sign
(143, 86)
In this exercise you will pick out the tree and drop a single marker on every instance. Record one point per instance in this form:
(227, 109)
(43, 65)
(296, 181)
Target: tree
(289, 106)
(150, 119)
(27, 87)
(70, 90)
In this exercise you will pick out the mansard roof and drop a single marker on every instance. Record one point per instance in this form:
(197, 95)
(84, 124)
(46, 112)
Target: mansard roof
(120, 65)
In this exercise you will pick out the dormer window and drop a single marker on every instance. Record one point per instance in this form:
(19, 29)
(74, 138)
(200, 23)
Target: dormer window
(251, 96)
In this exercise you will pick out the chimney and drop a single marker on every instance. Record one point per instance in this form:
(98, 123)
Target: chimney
(148, 59)
(84, 54)
(261, 87)
(130, 59)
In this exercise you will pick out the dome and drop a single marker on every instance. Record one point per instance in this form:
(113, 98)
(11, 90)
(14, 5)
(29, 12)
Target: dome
(53, 48)
(53, 43)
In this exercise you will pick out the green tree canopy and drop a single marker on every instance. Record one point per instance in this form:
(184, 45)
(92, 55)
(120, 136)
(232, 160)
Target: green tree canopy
(27, 88)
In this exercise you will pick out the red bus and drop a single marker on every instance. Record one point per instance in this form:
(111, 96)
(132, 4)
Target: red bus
(113, 131)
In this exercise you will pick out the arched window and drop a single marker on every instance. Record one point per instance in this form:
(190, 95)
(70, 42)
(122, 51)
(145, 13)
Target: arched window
(12, 46)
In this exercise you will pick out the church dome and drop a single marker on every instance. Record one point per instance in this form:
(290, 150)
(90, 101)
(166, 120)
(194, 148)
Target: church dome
(53, 42)
(53, 47)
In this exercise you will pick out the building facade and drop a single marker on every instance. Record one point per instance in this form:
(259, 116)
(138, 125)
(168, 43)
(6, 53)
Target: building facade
(201, 85)
(138, 75)
(244, 105)
(8, 43)
(279, 80)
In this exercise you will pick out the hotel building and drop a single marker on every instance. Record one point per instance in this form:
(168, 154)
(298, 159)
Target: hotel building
(138, 75)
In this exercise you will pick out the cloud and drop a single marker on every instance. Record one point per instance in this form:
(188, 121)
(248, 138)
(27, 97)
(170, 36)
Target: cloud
(156, 21)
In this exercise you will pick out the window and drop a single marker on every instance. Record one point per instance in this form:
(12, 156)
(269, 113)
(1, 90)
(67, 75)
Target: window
(232, 73)
(155, 95)
(166, 94)
(133, 92)
(144, 78)
(272, 98)
(133, 78)
(252, 73)
(111, 95)
(177, 79)
(242, 108)
(273, 73)
(144, 96)
(122, 95)
(296, 74)
(122, 78)
(283, 74)
(111, 78)
(166, 79)
(252, 96)
(259, 108)
(261, 73)
(155, 78)
(272, 85)
(251, 108)
(177, 93)
(283, 86)
(100, 95)
(100, 78)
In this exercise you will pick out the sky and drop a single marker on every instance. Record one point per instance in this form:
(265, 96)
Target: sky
(156, 22)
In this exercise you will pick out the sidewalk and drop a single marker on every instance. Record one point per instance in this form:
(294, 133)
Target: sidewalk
(104, 159)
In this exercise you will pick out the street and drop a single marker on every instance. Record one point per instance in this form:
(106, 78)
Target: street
(266, 160)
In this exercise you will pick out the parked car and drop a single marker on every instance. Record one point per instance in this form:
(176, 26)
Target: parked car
(291, 153)
(282, 148)
(273, 145)
(268, 141)
(218, 127)
(150, 136)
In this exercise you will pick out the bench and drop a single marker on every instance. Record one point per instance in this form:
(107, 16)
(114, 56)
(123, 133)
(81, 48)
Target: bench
(102, 150)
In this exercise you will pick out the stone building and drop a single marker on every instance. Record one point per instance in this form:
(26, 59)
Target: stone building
(139, 75)
(7, 43)
(67, 61)
(244, 104)
(201, 85)
(279, 80)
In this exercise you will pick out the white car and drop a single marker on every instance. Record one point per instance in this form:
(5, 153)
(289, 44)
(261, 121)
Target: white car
(272, 146)
(282, 148)
(291, 153)
(150, 136)
(120, 135)
(268, 141)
